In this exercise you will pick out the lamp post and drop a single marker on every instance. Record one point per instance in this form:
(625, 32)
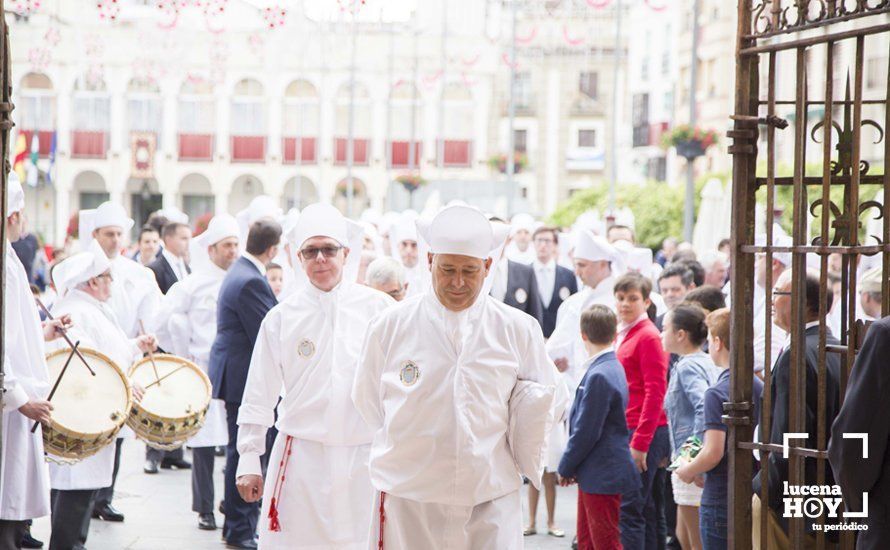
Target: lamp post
(689, 205)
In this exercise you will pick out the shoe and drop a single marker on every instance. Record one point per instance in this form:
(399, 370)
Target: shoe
(151, 466)
(249, 544)
(220, 451)
(556, 532)
(107, 512)
(222, 507)
(575, 543)
(178, 463)
(207, 522)
(30, 542)
(529, 531)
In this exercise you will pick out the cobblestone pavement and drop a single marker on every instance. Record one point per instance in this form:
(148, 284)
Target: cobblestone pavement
(159, 517)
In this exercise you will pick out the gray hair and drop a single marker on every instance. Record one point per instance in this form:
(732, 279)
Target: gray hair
(709, 258)
(385, 269)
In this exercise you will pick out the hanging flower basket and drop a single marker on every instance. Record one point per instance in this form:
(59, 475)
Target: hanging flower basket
(499, 162)
(690, 142)
(411, 182)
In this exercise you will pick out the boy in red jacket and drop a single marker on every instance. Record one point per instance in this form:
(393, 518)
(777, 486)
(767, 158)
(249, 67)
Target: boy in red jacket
(645, 365)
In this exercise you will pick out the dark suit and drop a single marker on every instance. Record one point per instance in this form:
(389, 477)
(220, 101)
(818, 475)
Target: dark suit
(598, 451)
(244, 299)
(164, 273)
(780, 392)
(522, 290)
(866, 409)
(564, 278)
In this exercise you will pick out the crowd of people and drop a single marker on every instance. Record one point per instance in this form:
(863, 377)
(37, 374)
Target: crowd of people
(390, 382)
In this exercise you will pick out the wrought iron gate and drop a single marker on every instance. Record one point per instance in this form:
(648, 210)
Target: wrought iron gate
(5, 125)
(803, 87)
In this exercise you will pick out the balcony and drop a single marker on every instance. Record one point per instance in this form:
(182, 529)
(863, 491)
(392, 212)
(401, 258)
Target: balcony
(88, 144)
(458, 153)
(307, 150)
(196, 147)
(45, 139)
(248, 148)
(359, 151)
(400, 154)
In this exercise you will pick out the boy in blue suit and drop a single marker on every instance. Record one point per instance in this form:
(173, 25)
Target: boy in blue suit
(597, 455)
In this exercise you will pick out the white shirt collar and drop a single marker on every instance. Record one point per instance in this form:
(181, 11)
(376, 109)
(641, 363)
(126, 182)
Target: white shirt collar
(549, 265)
(594, 357)
(259, 265)
(171, 259)
(625, 328)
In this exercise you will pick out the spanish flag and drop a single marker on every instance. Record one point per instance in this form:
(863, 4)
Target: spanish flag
(21, 153)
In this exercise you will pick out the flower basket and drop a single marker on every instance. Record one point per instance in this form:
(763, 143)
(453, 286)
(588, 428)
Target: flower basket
(411, 182)
(690, 142)
(499, 162)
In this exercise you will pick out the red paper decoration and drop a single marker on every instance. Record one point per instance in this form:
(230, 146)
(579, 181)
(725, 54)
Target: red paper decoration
(108, 9)
(24, 7)
(274, 16)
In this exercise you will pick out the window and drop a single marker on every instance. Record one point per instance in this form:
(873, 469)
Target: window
(520, 140)
(524, 97)
(587, 138)
(588, 85)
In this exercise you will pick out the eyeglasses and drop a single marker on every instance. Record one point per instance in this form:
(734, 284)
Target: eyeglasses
(311, 252)
(777, 292)
(397, 293)
(108, 275)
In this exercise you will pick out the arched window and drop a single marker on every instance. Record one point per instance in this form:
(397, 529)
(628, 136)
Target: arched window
(301, 123)
(248, 122)
(35, 111)
(405, 126)
(456, 145)
(361, 124)
(196, 120)
(91, 120)
(144, 107)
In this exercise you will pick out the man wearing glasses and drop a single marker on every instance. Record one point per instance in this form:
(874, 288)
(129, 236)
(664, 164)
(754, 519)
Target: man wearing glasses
(317, 493)
(387, 275)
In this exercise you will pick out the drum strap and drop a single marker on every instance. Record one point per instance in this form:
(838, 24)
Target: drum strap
(274, 523)
(382, 521)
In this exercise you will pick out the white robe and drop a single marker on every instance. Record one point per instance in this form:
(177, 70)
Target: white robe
(95, 326)
(135, 295)
(307, 350)
(436, 386)
(24, 478)
(419, 278)
(186, 327)
(514, 254)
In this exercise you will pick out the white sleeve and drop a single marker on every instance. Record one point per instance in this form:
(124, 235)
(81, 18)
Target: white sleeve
(172, 328)
(366, 388)
(14, 395)
(251, 446)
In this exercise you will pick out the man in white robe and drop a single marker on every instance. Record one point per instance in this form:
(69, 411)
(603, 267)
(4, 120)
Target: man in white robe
(408, 248)
(24, 478)
(594, 259)
(84, 282)
(317, 493)
(186, 327)
(460, 392)
(520, 248)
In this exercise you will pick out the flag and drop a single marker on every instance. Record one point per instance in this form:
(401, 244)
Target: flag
(21, 150)
(52, 160)
(33, 172)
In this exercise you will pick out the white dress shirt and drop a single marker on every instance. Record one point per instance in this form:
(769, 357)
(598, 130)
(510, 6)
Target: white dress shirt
(545, 274)
(500, 280)
(176, 263)
(259, 265)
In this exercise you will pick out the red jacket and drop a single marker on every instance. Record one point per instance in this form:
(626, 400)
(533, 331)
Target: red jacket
(645, 366)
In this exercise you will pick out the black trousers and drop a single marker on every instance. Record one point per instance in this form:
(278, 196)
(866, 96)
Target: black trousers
(11, 533)
(71, 512)
(241, 517)
(105, 495)
(202, 479)
(160, 456)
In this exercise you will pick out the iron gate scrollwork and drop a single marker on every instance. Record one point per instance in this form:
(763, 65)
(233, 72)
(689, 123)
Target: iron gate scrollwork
(828, 114)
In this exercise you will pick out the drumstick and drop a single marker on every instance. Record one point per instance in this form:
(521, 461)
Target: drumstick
(52, 392)
(65, 336)
(168, 375)
(151, 356)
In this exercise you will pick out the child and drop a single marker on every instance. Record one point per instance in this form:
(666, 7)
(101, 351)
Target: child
(275, 275)
(597, 455)
(684, 334)
(712, 458)
(645, 367)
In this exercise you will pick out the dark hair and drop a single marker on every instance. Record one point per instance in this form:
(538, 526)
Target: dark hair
(813, 288)
(723, 242)
(677, 270)
(690, 317)
(599, 324)
(157, 221)
(264, 234)
(719, 323)
(622, 227)
(698, 271)
(272, 265)
(146, 229)
(547, 229)
(171, 228)
(683, 256)
(634, 281)
(708, 297)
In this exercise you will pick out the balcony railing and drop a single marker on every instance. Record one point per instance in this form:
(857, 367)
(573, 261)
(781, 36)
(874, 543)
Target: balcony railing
(248, 148)
(88, 144)
(196, 147)
(45, 139)
(359, 151)
(458, 153)
(308, 154)
(400, 154)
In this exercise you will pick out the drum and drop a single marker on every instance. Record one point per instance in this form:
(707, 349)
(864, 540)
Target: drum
(88, 411)
(174, 409)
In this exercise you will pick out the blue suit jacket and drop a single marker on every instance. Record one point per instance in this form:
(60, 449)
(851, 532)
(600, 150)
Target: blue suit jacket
(564, 279)
(521, 276)
(244, 299)
(598, 451)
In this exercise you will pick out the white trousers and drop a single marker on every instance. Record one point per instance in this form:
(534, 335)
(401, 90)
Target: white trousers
(325, 499)
(412, 525)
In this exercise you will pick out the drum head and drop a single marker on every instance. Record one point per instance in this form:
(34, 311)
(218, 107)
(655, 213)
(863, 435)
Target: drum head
(184, 392)
(85, 403)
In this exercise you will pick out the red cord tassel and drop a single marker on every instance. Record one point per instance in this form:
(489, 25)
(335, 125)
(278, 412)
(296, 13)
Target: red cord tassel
(382, 521)
(274, 522)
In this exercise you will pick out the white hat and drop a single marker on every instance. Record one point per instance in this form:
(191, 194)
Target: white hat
(872, 281)
(289, 221)
(221, 226)
(522, 221)
(262, 206)
(324, 220)
(15, 195)
(594, 248)
(80, 267)
(174, 214)
(462, 230)
(111, 214)
(639, 260)
(780, 238)
(404, 229)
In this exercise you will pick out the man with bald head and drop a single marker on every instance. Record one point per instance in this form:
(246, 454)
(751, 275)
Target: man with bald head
(460, 393)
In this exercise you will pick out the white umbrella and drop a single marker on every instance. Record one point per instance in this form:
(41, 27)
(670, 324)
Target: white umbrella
(711, 224)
